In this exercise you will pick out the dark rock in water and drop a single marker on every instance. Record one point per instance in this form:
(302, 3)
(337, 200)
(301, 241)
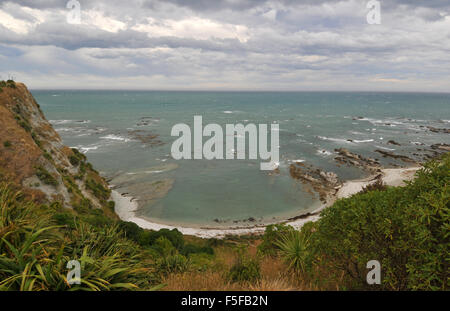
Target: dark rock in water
(438, 130)
(387, 154)
(350, 158)
(146, 137)
(441, 147)
(321, 182)
(393, 142)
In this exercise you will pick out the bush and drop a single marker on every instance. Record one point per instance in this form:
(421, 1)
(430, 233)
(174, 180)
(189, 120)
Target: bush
(131, 230)
(174, 236)
(10, 83)
(64, 219)
(100, 191)
(7, 144)
(272, 235)
(74, 160)
(406, 229)
(378, 185)
(46, 177)
(294, 248)
(111, 206)
(172, 264)
(189, 249)
(244, 269)
(164, 247)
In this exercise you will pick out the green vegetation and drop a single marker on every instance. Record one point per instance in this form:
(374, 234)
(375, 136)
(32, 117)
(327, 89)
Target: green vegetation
(7, 144)
(45, 176)
(101, 192)
(272, 235)
(405, 228)
(244, 269)
(37, 242)
(294, 249)
(74, 160)
(9, 83)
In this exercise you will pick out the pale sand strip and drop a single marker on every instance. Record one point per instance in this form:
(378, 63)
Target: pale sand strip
(126, 207)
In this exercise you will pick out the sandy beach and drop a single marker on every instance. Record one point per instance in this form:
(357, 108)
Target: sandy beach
(126, 207)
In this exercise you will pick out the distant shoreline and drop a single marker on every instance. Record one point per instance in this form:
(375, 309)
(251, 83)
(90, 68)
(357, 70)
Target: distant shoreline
(126, 207)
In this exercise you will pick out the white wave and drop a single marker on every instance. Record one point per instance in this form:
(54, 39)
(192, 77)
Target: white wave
(86, 149)
(297, 161)
(340, 140)
(59, 122)
(153, 172)
(363, 141)
(385, 148)
(116, 138)
(323, 152)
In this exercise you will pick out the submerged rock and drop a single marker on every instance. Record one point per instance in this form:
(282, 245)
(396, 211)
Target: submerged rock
(350, 158)
(387, 154)
(438, 130)
(393, 142)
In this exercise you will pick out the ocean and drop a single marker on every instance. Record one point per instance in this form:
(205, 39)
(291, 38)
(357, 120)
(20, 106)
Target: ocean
(126, 136)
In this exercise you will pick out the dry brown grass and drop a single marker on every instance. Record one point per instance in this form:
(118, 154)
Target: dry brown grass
(274, 275)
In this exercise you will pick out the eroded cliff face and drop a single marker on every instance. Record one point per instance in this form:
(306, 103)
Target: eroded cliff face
(32, 155)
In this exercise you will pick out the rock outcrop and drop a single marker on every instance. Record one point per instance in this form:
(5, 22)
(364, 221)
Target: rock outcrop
(321, 182)
(350, 158)
(33, 156)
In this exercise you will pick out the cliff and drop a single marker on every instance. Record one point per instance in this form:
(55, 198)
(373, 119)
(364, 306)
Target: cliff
(33, 156)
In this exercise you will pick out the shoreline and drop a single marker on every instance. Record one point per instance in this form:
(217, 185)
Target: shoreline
(126, 206)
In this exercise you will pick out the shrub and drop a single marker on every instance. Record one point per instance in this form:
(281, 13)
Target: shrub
(64, 219)
(174, 236)
(172, 264)
(25, 125)
(131, 230)
(272, 235)
(406, 229)
(7, 144)
(189, 249)
(111, 206)
(164, 247)
(244, 269)
(378, 185)
(100, 191)
(74, 160)
(294, 248)
(46, 177)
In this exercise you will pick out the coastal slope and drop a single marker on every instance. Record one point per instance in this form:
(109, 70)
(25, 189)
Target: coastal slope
(33, 156)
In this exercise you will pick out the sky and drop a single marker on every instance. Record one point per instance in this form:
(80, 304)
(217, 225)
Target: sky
(284, 45)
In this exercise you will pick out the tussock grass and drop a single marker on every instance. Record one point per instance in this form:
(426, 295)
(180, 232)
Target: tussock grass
(34, 251)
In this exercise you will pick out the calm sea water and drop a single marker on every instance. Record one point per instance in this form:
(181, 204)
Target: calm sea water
(126, 135)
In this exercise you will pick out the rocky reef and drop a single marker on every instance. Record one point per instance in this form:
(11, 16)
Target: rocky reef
(350, 158)
(320, 181)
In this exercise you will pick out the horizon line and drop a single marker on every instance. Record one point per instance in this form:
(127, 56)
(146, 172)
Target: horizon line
(238, 90)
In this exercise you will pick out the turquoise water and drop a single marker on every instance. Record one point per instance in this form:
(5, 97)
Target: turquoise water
(102, 124)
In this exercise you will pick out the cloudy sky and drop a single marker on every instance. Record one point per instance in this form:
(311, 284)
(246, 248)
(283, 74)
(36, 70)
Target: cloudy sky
(227, 45)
